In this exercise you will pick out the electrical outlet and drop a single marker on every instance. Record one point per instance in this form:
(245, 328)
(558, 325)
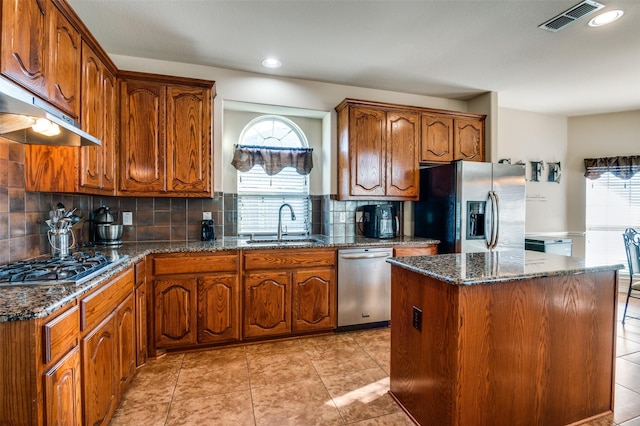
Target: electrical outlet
(417, 318)
(206, 215)
(127, 218)
(343, 217)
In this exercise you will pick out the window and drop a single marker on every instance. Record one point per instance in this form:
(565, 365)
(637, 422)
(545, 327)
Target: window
(612, 205)
(260, 195)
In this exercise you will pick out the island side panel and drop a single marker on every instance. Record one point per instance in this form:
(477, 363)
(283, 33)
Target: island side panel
(539, 351)
(423, 363)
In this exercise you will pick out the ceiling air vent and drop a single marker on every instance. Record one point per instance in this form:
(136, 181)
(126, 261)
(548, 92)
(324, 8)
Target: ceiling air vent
(568, 16)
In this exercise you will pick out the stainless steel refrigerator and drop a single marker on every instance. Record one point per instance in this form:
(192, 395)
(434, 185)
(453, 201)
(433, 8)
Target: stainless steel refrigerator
(472, 207)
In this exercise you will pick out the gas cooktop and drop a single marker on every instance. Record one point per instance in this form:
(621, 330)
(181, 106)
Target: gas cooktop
(75, 268)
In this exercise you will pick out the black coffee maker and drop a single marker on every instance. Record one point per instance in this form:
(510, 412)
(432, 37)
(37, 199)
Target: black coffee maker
(379, 221)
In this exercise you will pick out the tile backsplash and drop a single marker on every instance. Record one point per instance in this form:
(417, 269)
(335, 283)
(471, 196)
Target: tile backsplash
(23, 232)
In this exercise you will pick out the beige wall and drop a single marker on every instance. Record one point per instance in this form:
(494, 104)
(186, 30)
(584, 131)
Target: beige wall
(528, 136)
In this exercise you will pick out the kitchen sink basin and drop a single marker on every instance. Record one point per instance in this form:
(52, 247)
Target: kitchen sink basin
(287, 241)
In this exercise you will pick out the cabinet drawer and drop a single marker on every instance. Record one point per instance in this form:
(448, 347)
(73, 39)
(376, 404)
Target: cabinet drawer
(60, 335)
(194, 264)
(401, 251)
(277, 259)
(95, 307)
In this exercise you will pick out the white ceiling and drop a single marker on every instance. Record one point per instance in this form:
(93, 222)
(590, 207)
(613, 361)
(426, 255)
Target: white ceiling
(448, 48)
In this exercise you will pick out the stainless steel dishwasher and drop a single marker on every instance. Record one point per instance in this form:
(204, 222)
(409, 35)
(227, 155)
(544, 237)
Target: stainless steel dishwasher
(364, 287)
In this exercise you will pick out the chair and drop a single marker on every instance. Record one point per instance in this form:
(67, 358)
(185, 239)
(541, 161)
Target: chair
(632, 247)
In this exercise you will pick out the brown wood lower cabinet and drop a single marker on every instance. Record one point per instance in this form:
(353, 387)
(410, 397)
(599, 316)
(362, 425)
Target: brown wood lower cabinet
(63, 402)
(99, 372)
(196, 300)
(288, 291)
(71, 367)
(108, 349)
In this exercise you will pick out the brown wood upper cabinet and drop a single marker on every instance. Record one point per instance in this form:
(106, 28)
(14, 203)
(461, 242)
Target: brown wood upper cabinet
(165, 136)
(41, 52)
(449, 137)
(99, 101)
(378, 151)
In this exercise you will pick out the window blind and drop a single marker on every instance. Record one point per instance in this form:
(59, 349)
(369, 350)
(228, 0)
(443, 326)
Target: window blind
(612, 205)
(260, 197)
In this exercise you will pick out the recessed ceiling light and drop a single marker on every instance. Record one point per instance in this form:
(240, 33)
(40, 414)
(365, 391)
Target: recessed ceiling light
(606, 18)
(271, 63)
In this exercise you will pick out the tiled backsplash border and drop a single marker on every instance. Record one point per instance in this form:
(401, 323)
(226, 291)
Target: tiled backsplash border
(23, 232)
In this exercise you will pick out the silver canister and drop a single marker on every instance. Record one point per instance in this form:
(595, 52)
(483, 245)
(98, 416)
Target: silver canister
(61, 241)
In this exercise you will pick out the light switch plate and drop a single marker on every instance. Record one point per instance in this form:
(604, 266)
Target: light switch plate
(127, 218)
(206, 215)
(343, 217)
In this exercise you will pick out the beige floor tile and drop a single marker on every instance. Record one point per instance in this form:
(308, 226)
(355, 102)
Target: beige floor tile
(283, 347)
(303, 403)
(216, 376)
(372, 336)
(395, 419)
(362, 394)
(272, 368)
(150, 388)
(141, 415)
(196, 359)
(330, 339)
(626, 405)
(233, 408)
(339, 358)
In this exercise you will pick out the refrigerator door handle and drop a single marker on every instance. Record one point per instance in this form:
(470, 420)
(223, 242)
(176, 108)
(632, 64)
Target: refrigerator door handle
(488, 221)
(496, 218)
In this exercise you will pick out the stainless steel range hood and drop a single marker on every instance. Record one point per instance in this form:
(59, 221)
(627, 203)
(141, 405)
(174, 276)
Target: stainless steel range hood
(19, 111)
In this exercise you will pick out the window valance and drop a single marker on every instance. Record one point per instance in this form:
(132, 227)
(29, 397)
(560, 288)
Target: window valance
(272, 159)
(621, 167)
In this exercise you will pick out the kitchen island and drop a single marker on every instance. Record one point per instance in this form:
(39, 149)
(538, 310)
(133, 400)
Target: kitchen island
(503, 338)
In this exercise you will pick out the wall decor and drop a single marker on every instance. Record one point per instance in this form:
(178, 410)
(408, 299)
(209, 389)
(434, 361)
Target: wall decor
(554, 171)
(536, 170)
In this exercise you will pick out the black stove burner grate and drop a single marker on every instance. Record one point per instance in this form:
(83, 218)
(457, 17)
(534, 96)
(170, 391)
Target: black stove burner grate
(69, 268)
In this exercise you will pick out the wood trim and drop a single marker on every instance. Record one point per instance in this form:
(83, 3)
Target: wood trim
(168, 79)
(397, 107)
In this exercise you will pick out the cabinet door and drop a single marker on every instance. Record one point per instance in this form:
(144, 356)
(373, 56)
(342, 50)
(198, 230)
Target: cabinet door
(188, 140)
(218, 309)
(64, 64)
(109, 129)
(63, 402)
(469, 140)
(99, 372)
(126, 343)
(314, 300)
(24, 42)
(367, 149)
(267, 304)
(51, 168)
(402, 173)
(436, 140)
(142, 140)
(97, 172)
(141, 324)
(175, 312)
(92, 107)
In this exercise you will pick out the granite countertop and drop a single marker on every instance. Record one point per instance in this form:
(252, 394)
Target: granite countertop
(483, 268)
(29, 302)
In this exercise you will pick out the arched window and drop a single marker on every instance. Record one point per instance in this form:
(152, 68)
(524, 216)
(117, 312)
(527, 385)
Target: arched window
(260, 195)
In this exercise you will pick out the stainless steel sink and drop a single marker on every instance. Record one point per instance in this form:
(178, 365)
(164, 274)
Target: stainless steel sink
(286, 241)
